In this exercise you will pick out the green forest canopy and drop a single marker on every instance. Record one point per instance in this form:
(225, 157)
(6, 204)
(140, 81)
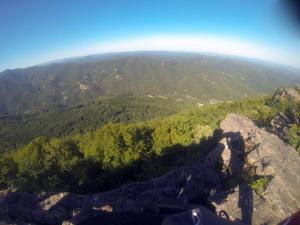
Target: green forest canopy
(119, 153)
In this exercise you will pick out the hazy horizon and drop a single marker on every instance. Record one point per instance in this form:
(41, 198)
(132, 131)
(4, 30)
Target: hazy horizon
(145, 52)
(35, 32)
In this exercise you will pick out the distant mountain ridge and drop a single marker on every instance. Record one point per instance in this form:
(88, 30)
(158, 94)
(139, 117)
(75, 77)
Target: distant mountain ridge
(180, 76)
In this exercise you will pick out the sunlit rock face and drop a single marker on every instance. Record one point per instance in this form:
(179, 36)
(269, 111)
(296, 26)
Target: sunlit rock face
(272, 159)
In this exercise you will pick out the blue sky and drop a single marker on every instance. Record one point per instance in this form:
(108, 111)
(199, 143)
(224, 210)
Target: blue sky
(37, 31)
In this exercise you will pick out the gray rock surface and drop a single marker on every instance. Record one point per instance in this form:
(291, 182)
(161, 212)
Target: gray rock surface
(280, 125)
(273, 158)
(178, 188)
(287, 93)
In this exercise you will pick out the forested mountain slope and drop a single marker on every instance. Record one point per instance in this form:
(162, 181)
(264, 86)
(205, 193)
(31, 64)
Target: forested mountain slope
(119, 153)
(18, 130)
(181, 76)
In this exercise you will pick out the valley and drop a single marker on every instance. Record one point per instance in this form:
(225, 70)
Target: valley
(183, 77)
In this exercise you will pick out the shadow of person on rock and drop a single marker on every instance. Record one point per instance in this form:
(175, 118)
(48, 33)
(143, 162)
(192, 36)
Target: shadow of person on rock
(236, 171)
(227, 159)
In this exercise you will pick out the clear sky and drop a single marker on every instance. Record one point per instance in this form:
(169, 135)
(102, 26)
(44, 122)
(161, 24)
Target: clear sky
(37, 31)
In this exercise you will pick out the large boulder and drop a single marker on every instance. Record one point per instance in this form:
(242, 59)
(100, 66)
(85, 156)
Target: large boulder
(271, 158)
(288, 93)
(280, 125)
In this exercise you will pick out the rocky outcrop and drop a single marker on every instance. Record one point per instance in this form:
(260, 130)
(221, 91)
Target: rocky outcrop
(178, 188)
(280, 125)
(282, 122)
(220, 180)
(288, 93)
(271, 158)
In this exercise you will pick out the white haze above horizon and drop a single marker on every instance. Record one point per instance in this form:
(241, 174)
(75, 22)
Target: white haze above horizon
(217, 45)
